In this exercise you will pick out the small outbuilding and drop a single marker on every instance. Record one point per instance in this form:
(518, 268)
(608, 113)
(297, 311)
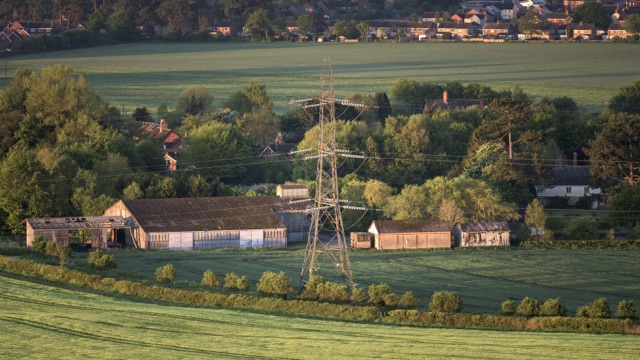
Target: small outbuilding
(361, 240)
(410, 234)
(481, 234)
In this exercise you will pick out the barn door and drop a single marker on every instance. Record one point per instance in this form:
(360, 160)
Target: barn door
(180, 241)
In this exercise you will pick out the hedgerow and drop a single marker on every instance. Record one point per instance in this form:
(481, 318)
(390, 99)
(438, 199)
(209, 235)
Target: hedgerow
(582, 244)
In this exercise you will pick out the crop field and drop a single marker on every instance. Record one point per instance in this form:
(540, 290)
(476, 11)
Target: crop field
(44, 322)
(483, 278)
(151, 74)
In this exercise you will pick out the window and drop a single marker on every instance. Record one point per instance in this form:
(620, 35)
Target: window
(568, 189)
(586, 190)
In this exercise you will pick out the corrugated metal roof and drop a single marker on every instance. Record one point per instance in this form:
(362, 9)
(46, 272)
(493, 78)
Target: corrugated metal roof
(410, 226)
(88, 222)
(486, 226)
(210, 213)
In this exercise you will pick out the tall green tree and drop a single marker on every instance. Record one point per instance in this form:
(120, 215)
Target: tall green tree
(632, 23)
(194, 100)
(535, 217)
(259, 25)
(218, 150)
(591, 11)
(532, 23)
(627, 99)
(304, 23)
(23, 182)
(615, 151)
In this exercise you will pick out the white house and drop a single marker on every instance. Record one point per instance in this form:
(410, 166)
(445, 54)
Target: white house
(570, 182)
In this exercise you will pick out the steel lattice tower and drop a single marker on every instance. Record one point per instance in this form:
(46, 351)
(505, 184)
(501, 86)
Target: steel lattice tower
(326, 216)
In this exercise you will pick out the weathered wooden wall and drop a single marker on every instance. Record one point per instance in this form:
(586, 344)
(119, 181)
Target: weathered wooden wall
(391, 241)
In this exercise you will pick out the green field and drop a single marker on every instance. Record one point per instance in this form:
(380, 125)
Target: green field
(483, 278)
(44, 322)
(150, 74)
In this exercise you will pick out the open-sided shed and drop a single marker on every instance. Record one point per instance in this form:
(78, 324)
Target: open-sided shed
(481, 234)
(410, 234)
(58, 229)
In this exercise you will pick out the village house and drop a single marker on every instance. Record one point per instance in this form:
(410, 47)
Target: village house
(227, 28)
(571, 5)
(455, 29)
(278, 147)
(617, 30)
(585, 31)
(481, 234)
(410, 234)
(497, 30)
(559, 18)
(570, 182)
(171, 142)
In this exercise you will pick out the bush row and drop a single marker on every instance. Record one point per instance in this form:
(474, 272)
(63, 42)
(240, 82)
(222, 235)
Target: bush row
(582, 244)
(598, 309)
(309, 308)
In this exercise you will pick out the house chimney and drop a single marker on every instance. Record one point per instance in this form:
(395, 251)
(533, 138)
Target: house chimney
(575, 159)
(163, 125)
(445, 96)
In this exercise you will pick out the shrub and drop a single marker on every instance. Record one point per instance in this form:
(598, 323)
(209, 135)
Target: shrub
(210, 279)
(408, 300)
(528, 307)
(583, 311)
(553, 307)
(582, 229)
(100, 260)
(311, 287)
(166, 273)
(39, 245)
(59, 251)
(271, 283)
(508, 307)
(319, 289)
(599, 308)
(627, 310)
(233, 281)
(330, 291)
(358, 296)
(445, 302)
(377, 293)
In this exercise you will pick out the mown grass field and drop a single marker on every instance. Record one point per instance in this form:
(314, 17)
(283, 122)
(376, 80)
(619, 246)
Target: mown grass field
(44, 322)
(150, 74)
(483, 278)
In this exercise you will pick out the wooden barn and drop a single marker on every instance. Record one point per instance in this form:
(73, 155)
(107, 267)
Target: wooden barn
(209, 222)
(98, 228)
(360, 240)
(410, 234)
(481, 234)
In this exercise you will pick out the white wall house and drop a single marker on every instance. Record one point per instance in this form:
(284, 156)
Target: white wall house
(570, 182)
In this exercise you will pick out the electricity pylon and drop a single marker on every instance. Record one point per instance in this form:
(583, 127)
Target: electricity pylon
(327, 244)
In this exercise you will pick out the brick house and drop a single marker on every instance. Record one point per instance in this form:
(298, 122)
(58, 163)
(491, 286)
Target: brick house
(497, 29)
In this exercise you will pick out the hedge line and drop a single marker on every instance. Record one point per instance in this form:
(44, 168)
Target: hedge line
(299, 307)
(486, 321)
(582, 244)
